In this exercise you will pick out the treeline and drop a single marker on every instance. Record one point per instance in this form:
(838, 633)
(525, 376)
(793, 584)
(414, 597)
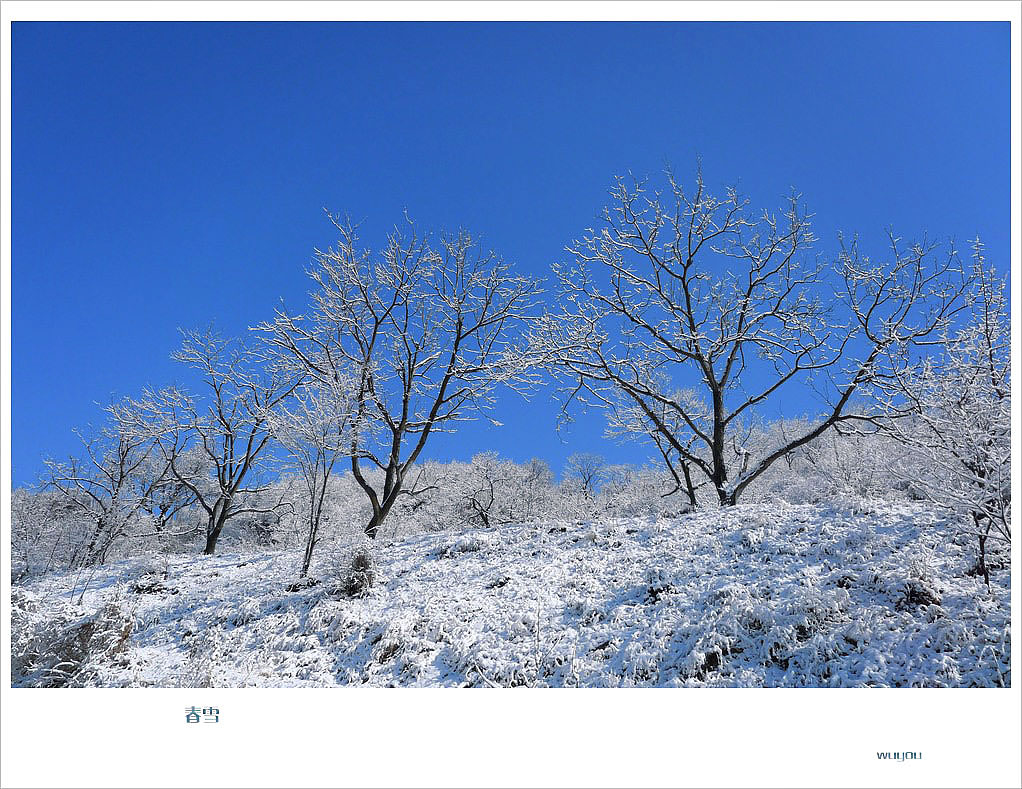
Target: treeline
(683, 315)
(487, 492)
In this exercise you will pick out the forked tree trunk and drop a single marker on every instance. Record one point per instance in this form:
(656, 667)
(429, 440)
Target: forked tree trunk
(309, 545)
(379, 516)
(391, 490)
(216, 525)
(315, 516)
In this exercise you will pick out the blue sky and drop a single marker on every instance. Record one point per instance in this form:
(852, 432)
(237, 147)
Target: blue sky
(167, 175)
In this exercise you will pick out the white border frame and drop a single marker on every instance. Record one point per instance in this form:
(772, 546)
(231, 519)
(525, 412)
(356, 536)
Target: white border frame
(594, 738)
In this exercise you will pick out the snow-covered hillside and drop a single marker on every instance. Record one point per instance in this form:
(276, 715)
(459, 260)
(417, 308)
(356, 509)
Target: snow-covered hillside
(754, 595)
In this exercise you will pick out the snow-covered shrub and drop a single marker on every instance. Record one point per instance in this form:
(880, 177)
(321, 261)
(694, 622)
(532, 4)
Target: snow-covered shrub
(491, 491)
(152, 583)
(834, 467)
(358, 571)
(487, 492)
(243, 613)
(466, 544)
(648, 492)
(62, 648)
(208, 654)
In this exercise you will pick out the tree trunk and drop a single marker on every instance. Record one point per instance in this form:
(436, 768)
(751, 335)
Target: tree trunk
(983, 547)
(391, 490)
(689, 487)
(216, 525)
(315, 515)
(310, 543)
(89, 555)
(373, 527)
(307, 559)
(717, 453)
(379, 516)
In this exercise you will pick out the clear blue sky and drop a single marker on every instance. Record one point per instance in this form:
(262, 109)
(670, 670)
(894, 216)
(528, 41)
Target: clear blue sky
(167, 175)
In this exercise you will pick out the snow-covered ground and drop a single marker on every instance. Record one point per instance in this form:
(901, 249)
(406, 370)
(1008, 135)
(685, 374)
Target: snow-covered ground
(778, 595)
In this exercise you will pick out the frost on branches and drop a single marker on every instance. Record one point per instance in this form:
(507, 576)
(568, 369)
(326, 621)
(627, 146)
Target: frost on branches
(955, 408)
(683, 313)
(280, 521)
(423, 329)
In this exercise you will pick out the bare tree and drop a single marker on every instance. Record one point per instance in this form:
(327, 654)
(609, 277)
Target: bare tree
(483, 479)
(955, 408)
(529, 489)
(314, 428)
(680, 290)
(585, 469)
(230, 429)
(422, 329)
(106, 485)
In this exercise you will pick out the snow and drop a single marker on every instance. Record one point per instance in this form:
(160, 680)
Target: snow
(777, 595)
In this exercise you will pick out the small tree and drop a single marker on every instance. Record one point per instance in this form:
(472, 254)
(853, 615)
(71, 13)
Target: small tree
(423, 329)
(585, 470)
(229, 430)
(530, 490)
(485, 476)
(314, 428)
(48, 532)
(496, 491)
(955, 408)
(685, 291)
(106, 486)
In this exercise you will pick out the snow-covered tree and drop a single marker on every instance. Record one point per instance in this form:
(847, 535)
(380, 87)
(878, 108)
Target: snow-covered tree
(167, 497)
(314, 427)
(584, 471)
(530, 490)
(686, 291)
(119, 480)
(955, 408)
(101, 485)
(229, 429)
(424, 330)
(47, 532)
(496, 491)
(630, 492)
(627, 421)
(485, 476)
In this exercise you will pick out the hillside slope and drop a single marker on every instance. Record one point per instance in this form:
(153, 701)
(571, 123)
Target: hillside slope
(779, 595)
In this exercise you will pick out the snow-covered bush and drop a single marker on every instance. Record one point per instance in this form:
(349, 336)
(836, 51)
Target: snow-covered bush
(208, 655)
(357, 571)
(62, 648)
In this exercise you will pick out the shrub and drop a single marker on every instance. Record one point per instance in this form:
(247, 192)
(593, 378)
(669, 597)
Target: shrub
(58, 649)
(358, 572)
